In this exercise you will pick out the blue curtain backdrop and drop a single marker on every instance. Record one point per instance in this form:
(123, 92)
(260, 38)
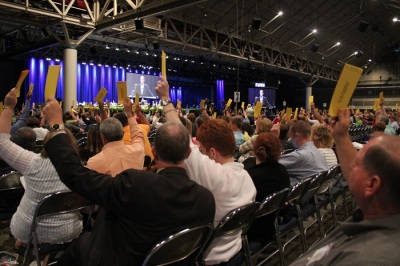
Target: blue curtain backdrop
(91, 77)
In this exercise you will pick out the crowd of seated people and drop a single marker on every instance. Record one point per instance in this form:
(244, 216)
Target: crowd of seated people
(208, 161)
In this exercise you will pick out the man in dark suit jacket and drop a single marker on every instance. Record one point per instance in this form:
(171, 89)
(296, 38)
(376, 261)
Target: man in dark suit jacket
(143, 89)
(139, 208)
(263, 99)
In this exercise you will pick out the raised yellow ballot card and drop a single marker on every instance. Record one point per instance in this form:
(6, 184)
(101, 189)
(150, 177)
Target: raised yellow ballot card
(229, 102)
(164, 64)
(136, 99)
(376, 104)
(344, 88)
(310, 99)
(295, 114)
(257, 109)
(214, 115)
(100, 95)
(51, 81)
(1, 107)
(288, 113)
(242, 105)
(397, 106)
(201, 104)
(21, 79)
(30, 89)
(178, 104)
(122, 91)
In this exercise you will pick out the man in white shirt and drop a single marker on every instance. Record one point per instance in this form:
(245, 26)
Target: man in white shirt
(211, 164)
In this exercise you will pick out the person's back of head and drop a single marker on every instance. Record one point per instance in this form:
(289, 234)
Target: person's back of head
(246, 127)
(112, 130)
(171, 143)
(283, 133)
(302, 127)
(236, 121)
(32, 122)
(94, 144)
(379, 126)
(264, 126)
(25, 137)
(200, 120)
(267, 147)
(385, 119)
(217, 134)
(121, 116)
(191, 117)
(382, 159)
(321, 136)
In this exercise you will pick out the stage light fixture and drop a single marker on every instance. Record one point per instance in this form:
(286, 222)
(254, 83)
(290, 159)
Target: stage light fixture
(314, 48)
(139, 25)
(256, 24)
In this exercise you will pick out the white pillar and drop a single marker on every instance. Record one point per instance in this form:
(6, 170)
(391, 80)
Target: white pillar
(308, 93)
(70, 73)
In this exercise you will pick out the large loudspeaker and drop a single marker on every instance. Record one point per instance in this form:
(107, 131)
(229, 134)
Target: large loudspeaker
(315, 48)
(256, 24)
(93, 50)
(139, 24)
(362, 27)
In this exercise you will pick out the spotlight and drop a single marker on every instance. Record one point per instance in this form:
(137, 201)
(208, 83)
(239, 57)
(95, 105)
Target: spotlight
(93, 50)
(139, 25)
(156, 45)
(315, 48)
(256, 24)
(108, 46)
(358, 54)
(362, 27)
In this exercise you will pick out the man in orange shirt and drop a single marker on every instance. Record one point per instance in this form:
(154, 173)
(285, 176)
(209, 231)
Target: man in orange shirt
(115, 156)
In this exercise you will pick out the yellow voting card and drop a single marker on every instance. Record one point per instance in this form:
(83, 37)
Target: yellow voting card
(344, 88)
(229, 102)
(376, 104)
(100, 95)
(242, 105)
(310, 99)
(164, 64)
(214, 115)
(73, 104)
(51, 81)
(381, 95)
(202, 103)
(397, 106)
(257, 109)
(136, 99)
(178, 104)
(21, 79)
(122, 91)
(288, 113)
(1, 107)
(295, 114)
(30, 89)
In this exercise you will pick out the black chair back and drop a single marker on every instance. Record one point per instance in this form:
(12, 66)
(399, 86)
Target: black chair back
(11, 192)
(313, 187)
(235, 221)
(57, 203)
(297, 191)
(177, 247)
(272, 203)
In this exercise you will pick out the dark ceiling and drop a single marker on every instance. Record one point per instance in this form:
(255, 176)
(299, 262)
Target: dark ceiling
(216, 36)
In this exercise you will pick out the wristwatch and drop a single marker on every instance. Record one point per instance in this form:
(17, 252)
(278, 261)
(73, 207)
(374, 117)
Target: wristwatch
(57, 127)
(165, 102)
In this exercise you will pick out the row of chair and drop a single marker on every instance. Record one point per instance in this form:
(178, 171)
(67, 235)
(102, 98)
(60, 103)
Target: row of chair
(192, 243)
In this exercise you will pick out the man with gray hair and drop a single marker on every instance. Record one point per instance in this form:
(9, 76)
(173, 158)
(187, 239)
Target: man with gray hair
(25, 137)
(115, 156)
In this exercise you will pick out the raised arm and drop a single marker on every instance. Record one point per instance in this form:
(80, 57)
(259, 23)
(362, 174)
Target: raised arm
(316, 114)
(23, 116)
(344, 147)
(135, 131)
(162, 90)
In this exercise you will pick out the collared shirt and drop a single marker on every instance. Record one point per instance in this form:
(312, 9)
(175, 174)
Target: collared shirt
(146, 130)
(117, 157)
(369, 242)
(303, 162)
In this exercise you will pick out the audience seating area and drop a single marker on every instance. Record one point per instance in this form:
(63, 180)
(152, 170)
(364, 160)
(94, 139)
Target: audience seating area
(309, 214)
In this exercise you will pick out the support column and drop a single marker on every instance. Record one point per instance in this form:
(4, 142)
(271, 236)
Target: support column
(70, 73)
(308, 93)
